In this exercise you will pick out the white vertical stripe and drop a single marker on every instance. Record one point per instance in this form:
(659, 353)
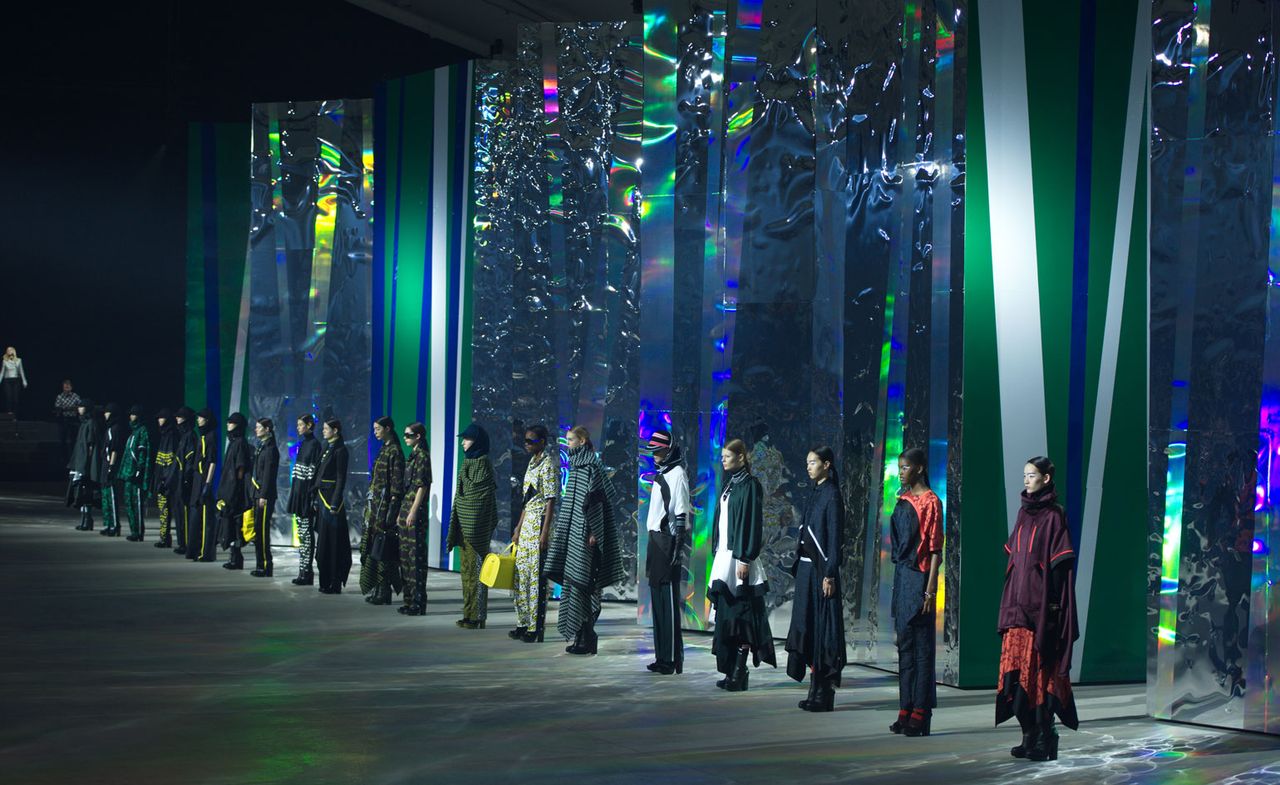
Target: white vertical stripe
(462, 284)
(236, 402)
(439, 275)
(1087, 547)
(1013, 237)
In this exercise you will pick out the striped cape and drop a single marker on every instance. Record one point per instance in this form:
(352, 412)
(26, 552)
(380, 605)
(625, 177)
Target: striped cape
(475, 506)
(589, 505)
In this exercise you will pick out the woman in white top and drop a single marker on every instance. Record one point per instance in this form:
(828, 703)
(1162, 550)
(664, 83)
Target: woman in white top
(14, 379)
(738, 584)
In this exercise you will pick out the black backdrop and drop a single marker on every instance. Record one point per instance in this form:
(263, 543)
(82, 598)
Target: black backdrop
(97, 99)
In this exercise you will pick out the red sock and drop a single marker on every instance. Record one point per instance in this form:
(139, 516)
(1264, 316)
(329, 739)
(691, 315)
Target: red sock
(918, 714)
(902, 715)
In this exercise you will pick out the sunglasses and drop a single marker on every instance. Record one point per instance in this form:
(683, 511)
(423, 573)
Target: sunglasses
(410, 435)
(532, 441)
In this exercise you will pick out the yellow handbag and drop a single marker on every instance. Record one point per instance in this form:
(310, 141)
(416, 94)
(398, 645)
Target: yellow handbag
(247, 526)
(499, 570)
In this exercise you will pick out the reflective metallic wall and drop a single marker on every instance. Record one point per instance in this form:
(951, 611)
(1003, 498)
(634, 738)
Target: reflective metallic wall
(1215, 366)
(802, 232)
(555, 273)
(309, 255)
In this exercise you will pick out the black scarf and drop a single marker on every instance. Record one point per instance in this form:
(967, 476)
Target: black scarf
(674, 458)
(479, 441)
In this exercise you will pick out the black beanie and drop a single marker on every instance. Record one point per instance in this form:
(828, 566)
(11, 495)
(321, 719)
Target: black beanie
(185, 413)
(136, 410)
(237, 419)
(207, 414)
(164, 414)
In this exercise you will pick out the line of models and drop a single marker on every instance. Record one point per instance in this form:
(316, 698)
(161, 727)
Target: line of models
(573, 538)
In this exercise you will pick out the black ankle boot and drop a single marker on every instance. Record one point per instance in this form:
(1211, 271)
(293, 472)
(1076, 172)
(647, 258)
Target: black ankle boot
(900, 724)
(740, 675)
(164, 543)
(517, 633)
(1028, 741)
(1045, 746)
(825, 699)
(918, 725)
(304, 579)
(813, 693)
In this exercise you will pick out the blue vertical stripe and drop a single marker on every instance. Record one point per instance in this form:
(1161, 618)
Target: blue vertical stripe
(378, 391)
(1080, 274)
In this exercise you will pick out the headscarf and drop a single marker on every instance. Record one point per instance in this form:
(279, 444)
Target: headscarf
(479, 441)
(239, 421)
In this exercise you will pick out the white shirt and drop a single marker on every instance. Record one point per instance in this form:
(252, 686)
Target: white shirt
(677, 481)
(724, 567)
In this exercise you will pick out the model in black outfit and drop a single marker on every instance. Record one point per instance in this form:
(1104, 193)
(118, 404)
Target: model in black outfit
(262, 493)
(233, 498)
(302, 497)
(333, 537)
(815, 642)
(84, 466)
(114, 435)
(202, 519)
(185, 485)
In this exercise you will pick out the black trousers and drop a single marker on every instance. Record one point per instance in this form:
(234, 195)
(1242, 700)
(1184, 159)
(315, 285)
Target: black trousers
(179, 513)
(262, 534)
(917, 682)
(202, 531)
(12, 389)
(666, 604)
(230, 535)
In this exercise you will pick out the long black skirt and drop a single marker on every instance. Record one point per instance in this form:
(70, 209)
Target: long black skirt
(333, 548)
(816, 638)
(741, 618)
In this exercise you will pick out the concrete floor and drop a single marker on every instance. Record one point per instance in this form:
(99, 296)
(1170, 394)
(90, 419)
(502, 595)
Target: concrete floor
(122, 663)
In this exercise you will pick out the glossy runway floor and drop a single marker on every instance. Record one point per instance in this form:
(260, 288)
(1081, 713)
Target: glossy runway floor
(122, 663)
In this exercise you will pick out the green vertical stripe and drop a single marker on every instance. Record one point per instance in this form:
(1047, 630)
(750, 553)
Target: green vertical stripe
(194, 389)
(984, 527)
(415, 234)
(1116, 647)
(1052, 37)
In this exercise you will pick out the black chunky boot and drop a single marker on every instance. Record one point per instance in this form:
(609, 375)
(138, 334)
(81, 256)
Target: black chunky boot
(304, 579)
(741, 673)
(1028, 738)
(1045, 746)
(813, 693)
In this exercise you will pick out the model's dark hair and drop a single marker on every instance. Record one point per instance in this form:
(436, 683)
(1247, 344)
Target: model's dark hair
(1044, 466)
(419, 430)
(539, 430)
(919, 459)
(266, 422)
(334, 424)
(308, 419)
(827, 455)
(389, 426)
